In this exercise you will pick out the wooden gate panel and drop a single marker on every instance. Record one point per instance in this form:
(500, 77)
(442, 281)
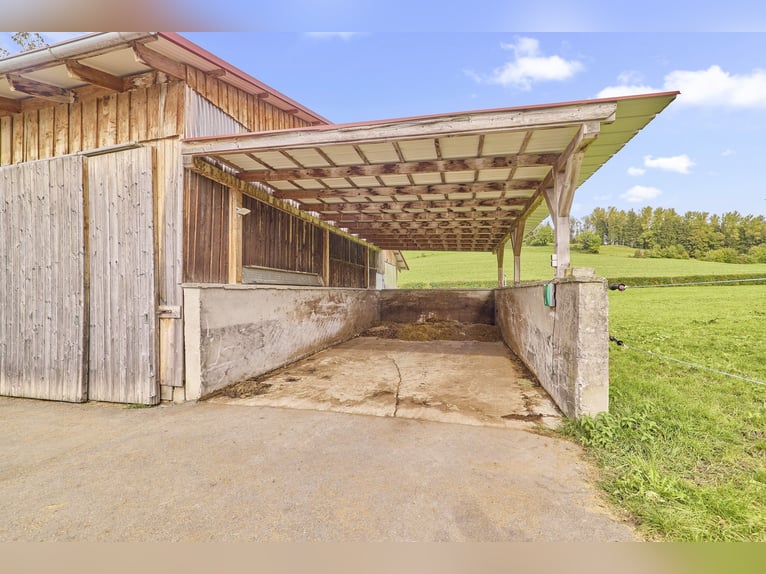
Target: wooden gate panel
(123, 300)
(42, 294)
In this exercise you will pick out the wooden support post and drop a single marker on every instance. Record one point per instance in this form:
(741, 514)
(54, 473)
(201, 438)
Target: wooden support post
(235, 236)
(326, 257)
(517, 238)
(500, 273)
(366, 267)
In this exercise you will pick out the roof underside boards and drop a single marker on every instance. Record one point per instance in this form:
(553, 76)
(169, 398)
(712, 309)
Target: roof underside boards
(455, 182)
(107, 58)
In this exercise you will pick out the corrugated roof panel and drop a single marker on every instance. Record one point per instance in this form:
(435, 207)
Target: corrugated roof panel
(503, 143)
(426, 178)
(275, 159)
(308, 183)
(459, 176)
(550, 140)
(379, 152)
(418, 150)
(459, 146)
(395, 179)
(534, 172)
(308, 157)
(365, 181)
(494, 174)
(342, 154)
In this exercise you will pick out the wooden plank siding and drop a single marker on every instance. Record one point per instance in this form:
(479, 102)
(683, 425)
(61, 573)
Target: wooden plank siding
(122, 289)
(347, 263)
(273, 238)
(42, 269)
(206, 230)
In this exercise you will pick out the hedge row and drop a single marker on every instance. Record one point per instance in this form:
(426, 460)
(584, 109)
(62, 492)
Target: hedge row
(629, 281)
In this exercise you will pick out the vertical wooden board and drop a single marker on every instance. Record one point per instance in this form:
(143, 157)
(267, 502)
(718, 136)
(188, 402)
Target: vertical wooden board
(6, 139)
(155, 96)
(75, 127)
(138, 115)
(31, 136)
(211, 89)
(89, 124)
(45, 133)
(17, 155)
(42, 319)
(61, 129)
(122, 349)
(123, 116)
(169, 237)
(107, 120)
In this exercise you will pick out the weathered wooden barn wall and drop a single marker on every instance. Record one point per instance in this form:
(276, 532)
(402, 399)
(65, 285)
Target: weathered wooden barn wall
(206, 230)
(122, 291)
(43, 313)
(153, 113)
(276, 239)
(348, 267)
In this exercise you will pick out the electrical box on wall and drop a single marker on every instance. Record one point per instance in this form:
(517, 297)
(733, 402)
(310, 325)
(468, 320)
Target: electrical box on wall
(554, 260)
(549, 295)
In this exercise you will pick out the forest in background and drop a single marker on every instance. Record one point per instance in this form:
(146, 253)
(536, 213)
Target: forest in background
(664, 233)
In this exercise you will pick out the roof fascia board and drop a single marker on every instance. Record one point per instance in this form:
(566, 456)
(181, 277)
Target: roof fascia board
(454, 124)
(76, 48)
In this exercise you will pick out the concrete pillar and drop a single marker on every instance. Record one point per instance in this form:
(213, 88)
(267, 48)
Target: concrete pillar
(500, 272)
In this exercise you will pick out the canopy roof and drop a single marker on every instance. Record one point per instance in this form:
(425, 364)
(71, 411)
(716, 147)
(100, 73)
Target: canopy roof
(458, 182)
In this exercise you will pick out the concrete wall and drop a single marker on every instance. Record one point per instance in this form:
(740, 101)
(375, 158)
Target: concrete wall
(413, 305)
(236, 332)
(566, 347)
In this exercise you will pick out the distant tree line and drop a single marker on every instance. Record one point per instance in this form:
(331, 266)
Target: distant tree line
(660, 232)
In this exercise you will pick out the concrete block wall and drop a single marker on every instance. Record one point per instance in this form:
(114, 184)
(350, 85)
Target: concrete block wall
(236, 332)
(418, 305)
(565, 346)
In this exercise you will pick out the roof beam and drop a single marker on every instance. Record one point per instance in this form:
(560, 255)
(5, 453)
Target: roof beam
(441, 189)
(417, 128)
(471, 204)
(37, 89)
(9, 105)
(345, 220)
(412, 225)
(402, 168)
(159, 62)
(93, 76)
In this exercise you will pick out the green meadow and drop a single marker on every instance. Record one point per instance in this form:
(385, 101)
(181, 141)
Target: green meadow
(448, 269)
(682, 450)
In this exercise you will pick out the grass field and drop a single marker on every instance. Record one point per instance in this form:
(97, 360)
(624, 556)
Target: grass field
(682, 450)
(438, 268)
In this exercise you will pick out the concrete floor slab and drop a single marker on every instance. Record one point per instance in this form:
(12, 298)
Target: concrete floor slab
(213, 472)
(466, 382)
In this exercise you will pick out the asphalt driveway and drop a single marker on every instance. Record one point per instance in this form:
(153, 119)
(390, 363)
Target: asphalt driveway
(220, 472)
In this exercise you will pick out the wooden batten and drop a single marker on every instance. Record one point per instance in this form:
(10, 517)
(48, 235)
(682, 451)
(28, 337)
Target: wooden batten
(93, 76)
(9, 105)
(213, 173)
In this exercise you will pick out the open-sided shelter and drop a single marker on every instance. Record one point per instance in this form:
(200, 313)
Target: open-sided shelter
(169, 224)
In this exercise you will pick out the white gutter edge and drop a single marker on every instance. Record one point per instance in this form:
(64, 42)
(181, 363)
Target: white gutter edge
(75, 48)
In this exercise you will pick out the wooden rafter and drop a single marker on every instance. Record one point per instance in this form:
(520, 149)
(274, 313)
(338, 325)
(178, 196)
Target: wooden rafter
(19, 83)
(159, 62)
(385, 191)
(402, 168)
(93, 76)
(420, 217)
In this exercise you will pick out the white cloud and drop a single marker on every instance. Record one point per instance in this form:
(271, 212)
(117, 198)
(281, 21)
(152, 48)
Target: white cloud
(331, 35)
(636, 171)
(727, 152)
(713, 87)
(603, 197)
(677, 163)
(528, 66)
(641, 193)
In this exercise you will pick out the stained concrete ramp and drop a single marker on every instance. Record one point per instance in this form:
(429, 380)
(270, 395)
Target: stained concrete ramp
(467, 382)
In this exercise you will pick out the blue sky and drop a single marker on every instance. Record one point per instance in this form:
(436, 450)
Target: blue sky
(703, 153)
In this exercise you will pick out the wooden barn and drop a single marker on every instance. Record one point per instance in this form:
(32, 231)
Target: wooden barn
(169, 224)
